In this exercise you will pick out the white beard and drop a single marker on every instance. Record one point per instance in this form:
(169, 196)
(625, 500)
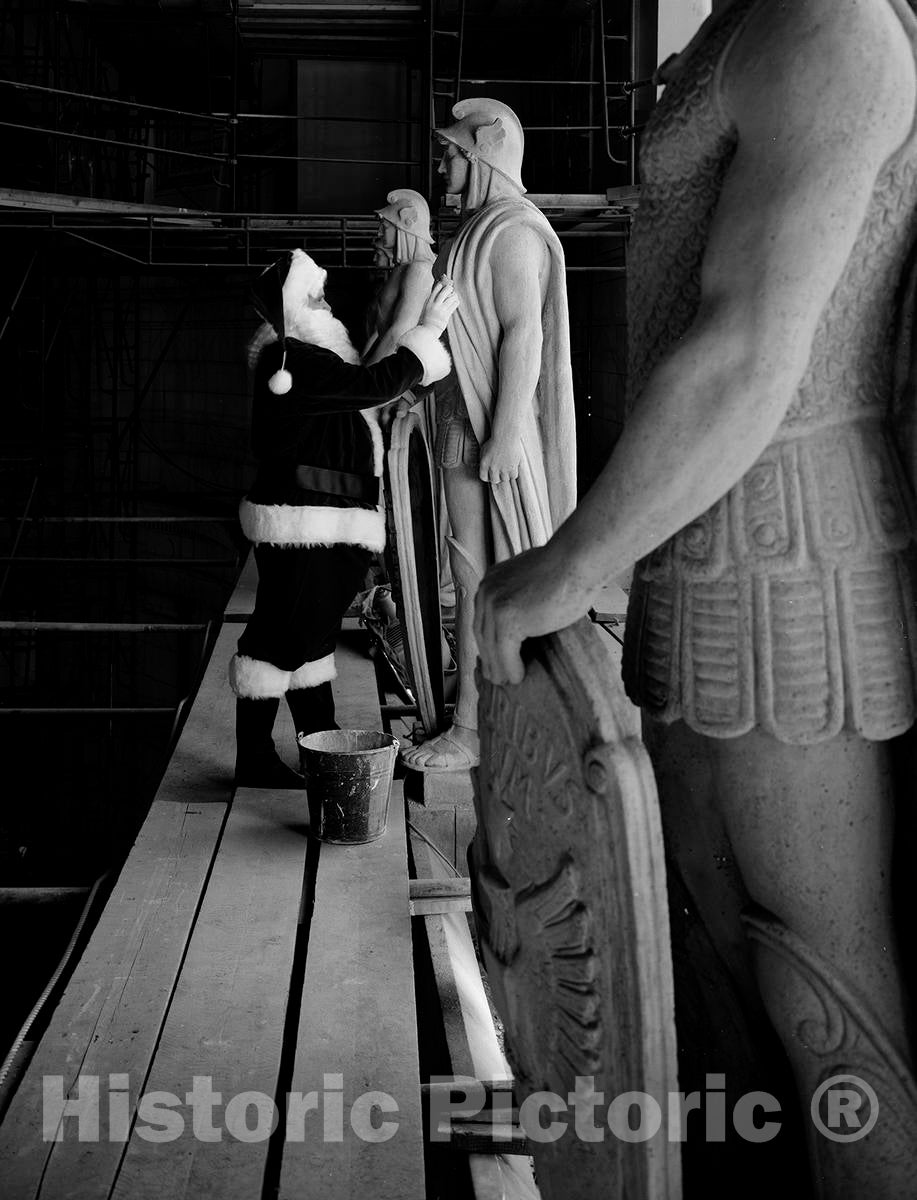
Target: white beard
(319, 327)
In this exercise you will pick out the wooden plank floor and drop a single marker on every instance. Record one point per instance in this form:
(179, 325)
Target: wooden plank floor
(226, 1020)
(110, 1015)
(358, 1024)
(474, 1049)
(195, 968)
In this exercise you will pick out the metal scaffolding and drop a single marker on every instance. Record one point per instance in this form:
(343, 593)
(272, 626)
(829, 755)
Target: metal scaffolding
(145, 237)
(121, 195)
(604, 102)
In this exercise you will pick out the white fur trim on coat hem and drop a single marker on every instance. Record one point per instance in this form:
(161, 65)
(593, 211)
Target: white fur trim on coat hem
(429, 349)
(256, 680)
(311, 674)
(308, 525)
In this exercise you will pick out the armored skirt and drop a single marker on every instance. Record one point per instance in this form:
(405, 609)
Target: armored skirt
(790, 605)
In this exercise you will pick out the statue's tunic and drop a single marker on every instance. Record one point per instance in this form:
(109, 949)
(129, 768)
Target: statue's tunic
(790, 604)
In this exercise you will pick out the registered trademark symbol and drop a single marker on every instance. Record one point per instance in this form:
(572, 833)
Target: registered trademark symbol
(844, 1108)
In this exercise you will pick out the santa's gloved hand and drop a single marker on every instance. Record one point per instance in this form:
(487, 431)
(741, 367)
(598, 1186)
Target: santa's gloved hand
(439, 307)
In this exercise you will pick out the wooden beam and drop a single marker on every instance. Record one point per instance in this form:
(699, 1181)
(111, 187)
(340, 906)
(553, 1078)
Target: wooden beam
(492, 1087)
(47, 711)
(110, 1015)
(111, 1012)
(481, 1137)
(358, 1024)
(445, 889)
(40, 895)
(154, 519)
(440, 904)
(474, 1050)
(471, 1037)
(432, 896)
(226, 1020)
(57, 202)
(101, 627)
(242, 602)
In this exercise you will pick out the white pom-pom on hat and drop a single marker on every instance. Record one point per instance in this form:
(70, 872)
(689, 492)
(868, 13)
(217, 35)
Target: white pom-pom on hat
(280, 382)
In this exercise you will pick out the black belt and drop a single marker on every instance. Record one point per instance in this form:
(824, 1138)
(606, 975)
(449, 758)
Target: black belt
(338, 483)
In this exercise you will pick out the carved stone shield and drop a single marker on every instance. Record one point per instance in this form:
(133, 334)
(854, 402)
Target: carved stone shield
(414, 564)
(568, 882)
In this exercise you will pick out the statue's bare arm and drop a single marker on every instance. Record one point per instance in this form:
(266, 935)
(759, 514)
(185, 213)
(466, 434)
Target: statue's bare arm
(416, 285)
(821, 93)
(518, 261)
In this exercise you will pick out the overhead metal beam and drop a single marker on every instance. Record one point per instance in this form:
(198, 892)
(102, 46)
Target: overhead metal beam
(86, 711)
(100, 627)
(46, 560)
(57, 202)
(145, 520)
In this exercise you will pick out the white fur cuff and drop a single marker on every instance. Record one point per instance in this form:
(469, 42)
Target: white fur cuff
(311, 674)
(256, 680)
(429, 349)
(319, 525)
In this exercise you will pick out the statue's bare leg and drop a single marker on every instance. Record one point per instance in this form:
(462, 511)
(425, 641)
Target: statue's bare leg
(810, 831)
(719, 1003)
(470, 554)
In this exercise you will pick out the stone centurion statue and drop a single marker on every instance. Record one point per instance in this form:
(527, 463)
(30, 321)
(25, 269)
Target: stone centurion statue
(759, 490)
(505, 424)
(403, 243)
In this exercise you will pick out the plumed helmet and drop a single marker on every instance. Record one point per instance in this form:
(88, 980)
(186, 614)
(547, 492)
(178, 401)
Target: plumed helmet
(491, 132)
(408, 211)
(285, 285)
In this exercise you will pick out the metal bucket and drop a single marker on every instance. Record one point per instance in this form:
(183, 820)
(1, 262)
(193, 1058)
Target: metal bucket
(348, 783)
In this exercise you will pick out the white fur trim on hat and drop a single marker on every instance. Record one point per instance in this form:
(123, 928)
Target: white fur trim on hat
(429, 349)
(311, 674)
(307, 525)
(256, 680)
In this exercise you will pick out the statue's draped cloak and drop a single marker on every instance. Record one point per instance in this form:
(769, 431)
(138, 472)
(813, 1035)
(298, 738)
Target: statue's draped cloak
(525, 512)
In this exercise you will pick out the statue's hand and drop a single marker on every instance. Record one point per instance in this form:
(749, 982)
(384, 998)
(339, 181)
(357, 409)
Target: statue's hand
(526, 596)
(500, 460)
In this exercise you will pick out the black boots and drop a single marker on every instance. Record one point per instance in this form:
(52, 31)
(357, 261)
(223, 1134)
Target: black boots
(312, 708)
(258, 764)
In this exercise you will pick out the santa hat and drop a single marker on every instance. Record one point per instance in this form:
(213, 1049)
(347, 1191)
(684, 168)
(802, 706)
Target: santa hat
(283, 287)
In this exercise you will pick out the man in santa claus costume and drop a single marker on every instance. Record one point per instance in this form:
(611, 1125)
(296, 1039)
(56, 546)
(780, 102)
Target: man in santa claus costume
(313, 512)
